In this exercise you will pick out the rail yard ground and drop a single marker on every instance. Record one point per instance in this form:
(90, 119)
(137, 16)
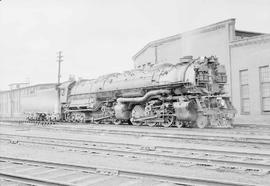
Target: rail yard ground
(92, 154)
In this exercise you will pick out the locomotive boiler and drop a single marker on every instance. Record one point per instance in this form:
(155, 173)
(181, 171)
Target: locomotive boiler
(190, 93)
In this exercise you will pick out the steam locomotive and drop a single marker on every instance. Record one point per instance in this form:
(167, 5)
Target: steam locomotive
(187, 94)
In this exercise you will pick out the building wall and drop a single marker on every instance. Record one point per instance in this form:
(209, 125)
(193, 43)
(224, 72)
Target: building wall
(148, 56)
(38, 98)
(250, 54)
(237, 50)
(169, 52)
(5, 107)
(210, 40)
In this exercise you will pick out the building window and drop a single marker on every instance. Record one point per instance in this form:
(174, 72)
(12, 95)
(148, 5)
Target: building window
(244, 92)
(265, 88)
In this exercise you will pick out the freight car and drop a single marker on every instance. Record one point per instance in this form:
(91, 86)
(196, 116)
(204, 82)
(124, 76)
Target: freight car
(190, 93)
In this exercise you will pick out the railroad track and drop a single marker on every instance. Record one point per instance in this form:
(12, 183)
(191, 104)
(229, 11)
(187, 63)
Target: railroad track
(52, 173)
(238, 129)
(254, 163)
(179, 135)
(252, 126)
(222, 139)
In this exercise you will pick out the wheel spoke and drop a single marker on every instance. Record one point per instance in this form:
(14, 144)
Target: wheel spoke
(168, 120)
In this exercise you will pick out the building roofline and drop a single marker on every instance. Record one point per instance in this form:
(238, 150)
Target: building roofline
(250, 40)
(178, 36)
(251, 32)
(17, 84)
(40, 84)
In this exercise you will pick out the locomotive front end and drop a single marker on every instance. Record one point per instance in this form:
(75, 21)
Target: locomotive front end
(215, 105)
(205, 111)
(215, 111)
(206, 105)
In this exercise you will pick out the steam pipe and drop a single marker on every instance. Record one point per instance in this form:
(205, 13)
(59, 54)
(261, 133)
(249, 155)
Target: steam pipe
(143, 98)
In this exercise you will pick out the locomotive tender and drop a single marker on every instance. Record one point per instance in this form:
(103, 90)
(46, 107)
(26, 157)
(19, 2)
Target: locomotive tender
(190, 93)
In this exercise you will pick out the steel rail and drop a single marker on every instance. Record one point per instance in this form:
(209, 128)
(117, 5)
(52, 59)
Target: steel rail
(205, 137)
(238, 128)
(187, 136)
(231, 131)
(178, 157)
(139, 146)
(251, 126)
(176, 132)
(124, 172)
(31, 180)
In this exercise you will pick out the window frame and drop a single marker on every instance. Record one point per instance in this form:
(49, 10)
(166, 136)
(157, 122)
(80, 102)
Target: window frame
(241, 93)
(261, 90)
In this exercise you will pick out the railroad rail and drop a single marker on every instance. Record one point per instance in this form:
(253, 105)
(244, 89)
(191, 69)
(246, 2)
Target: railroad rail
(53, 173)
(238, 128)
(171, 135)
(255, 163)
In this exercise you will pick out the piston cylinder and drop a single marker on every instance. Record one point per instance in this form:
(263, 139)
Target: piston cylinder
(121, 111)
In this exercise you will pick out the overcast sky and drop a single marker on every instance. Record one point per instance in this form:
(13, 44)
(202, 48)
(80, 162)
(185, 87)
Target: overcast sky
(100, 36)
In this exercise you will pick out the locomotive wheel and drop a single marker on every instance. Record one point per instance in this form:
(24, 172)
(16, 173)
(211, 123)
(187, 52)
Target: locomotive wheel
(136, 123)
(82, 118)
(72, 118)
(168, 121)
(117, 121)
(201, 122)
(179, 124)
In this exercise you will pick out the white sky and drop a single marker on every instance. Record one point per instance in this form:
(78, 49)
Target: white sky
(100, 36)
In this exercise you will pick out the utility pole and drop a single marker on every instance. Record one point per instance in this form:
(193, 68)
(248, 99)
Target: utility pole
(59, 60)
